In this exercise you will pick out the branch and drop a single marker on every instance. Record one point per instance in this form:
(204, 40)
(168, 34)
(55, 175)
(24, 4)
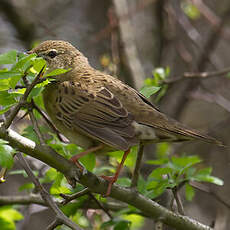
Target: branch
(37, 199)
(137, 166)
(24, 200)
(50, 124)
(68, 198)
(60, 217)
(189, 75)
(35, 127)
(178, 201)
(212, 97)
(127, 37)
(211, 16)
(97, 184)
(22, 100)
(208, 190)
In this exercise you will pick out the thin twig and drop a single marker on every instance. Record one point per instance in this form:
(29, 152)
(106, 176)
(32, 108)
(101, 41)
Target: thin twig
(137, 166)
(22, 100)
(212, 18)
(178, 201)
(98, 185)
(206, 189)
(35, 127)
(54, 224)
(68, 198)
(45, 195)
(206, 95)
(189, 75)
(101, 206)
(51, 125)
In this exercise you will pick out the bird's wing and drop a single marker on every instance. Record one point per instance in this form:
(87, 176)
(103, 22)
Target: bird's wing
(96, 113)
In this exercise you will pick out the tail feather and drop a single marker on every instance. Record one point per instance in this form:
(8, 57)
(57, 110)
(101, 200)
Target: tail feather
(169, 125)
(193, 134)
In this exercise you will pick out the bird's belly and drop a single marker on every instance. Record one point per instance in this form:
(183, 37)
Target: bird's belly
(144, 132)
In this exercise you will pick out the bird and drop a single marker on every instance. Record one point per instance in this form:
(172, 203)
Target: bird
(98, 112)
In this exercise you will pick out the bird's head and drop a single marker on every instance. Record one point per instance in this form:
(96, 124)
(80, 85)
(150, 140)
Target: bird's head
(60, 55)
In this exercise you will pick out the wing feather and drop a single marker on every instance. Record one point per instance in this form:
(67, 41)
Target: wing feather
(101, 116)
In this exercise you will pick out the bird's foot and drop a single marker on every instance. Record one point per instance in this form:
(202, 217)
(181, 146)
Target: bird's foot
(111, 180)
(74, 159)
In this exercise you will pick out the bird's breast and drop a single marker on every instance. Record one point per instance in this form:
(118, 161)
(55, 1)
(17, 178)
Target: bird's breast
(50, 95)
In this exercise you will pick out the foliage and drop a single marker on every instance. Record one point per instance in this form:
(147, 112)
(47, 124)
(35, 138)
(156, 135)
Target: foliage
(176, 172)
(171, 171)
(190, 10)
(6, 154)
(156, 84)
(8, 216)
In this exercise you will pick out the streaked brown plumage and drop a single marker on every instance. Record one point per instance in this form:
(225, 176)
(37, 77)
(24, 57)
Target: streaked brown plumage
(90, 107)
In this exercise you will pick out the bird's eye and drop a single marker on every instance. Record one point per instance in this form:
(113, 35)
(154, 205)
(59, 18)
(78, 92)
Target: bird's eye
(52, 54)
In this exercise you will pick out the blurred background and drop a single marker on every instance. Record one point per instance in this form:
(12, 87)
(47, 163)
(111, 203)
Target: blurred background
(129, 39)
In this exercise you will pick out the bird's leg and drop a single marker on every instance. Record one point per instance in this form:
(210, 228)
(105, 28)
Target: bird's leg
(76, 157)
(113, 179)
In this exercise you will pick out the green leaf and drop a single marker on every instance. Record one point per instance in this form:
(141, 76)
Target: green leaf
(204, 175)
(10, 74)
(184, 161)
(7, 99)
(8, 216)
(205, 171)
(136, 220)
(56, 72)
(27, 186)
(35, 92)
(5, 109)
(38, 64)
(89, 161)
(141, 184)
(122, 225)
(7, 225)
(29, 133)
(107, 224)
(157, 188)
(8, 58)
(161, 161)
(210, 179)
(6, 156)
(19, 172)
(50, 175)
(24, 63)
(148, 91)
(117, 223)
(159, 172)
(124, 182)
(189, 192)
(59, 189)
(4, 84)
(162, 150)
(190, 10)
